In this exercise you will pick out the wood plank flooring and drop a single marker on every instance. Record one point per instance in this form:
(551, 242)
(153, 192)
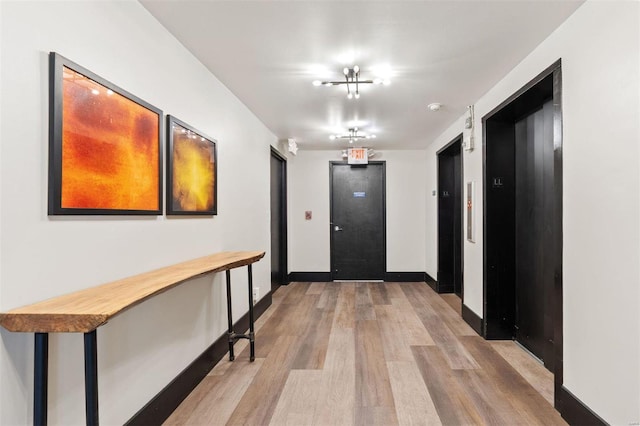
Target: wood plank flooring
(370, 354)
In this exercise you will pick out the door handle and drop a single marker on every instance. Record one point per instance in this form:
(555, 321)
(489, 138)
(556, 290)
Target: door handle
(337, 228)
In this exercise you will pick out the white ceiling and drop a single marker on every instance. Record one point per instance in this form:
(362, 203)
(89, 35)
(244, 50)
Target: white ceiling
(269, 52)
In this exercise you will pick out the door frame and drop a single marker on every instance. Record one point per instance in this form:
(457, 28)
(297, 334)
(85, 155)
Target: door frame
(284, 273)
(459, 139)
(384, 207)
(555, 71)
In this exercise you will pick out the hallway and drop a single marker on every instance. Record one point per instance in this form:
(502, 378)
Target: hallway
(371, 353)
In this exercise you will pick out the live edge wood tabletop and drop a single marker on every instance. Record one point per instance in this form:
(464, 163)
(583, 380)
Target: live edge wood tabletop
(85, 310)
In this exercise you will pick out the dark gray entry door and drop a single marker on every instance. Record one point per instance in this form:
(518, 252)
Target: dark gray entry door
(358, 235)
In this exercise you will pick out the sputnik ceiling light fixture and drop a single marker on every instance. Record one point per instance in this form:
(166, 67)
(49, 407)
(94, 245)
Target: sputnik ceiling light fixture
(353, 135)
(353, 82)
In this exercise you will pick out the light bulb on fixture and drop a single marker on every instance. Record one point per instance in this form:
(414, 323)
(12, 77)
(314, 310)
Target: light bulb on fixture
(317, 83)
(345, 71)
(377, 81)
(386, 82)
(356, 69)
(349, 95)
(357, 95)
(332, 137)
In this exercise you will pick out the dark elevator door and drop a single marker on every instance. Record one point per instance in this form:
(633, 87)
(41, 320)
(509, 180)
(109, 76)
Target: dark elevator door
(450, 220)
(534, 272)
(358, 249)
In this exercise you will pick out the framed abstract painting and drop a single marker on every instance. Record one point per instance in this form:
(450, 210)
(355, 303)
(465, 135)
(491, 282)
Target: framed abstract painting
(105, 155)
(191, 170)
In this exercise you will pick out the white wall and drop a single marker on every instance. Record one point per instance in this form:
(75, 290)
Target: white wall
(141, 350)
(308, 189)
(599, 46)
(2, 349)
(405, 210)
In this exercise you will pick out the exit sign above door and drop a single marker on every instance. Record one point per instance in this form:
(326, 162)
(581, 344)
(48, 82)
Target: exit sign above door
(358, 156)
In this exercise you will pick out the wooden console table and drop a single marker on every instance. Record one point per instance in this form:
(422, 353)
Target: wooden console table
(86, 310)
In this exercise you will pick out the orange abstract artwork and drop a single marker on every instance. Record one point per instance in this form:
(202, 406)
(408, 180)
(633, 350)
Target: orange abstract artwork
(110, 149)
(193, 172)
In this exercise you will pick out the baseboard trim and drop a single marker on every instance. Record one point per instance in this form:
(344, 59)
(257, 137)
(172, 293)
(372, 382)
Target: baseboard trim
(311, 277)
(432, 282)
(575, 412)
(472, 319)
(404, 277)
(159, 409)
(441, 289)
(400, 277)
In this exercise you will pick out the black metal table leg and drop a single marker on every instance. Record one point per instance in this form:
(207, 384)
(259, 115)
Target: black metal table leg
(91, 377)
(40, 378)
(251, 334)
(230, 333)
(232, 336)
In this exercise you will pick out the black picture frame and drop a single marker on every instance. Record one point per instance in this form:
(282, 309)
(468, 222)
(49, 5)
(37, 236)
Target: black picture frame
(181, 193)
(94, 177)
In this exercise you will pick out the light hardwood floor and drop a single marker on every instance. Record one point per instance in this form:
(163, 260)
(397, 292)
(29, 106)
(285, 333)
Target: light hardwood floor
(367, 354)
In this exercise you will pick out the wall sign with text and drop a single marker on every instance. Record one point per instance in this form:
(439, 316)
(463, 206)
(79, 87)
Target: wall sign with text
(358, 156)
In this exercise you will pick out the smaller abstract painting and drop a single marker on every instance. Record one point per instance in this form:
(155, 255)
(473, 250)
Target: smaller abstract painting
(104, 146)
(191, 171)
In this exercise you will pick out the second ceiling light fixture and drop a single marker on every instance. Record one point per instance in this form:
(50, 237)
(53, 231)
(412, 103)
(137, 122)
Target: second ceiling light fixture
(353, 135)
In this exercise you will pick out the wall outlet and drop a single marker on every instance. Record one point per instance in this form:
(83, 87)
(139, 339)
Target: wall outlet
(256, 294)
